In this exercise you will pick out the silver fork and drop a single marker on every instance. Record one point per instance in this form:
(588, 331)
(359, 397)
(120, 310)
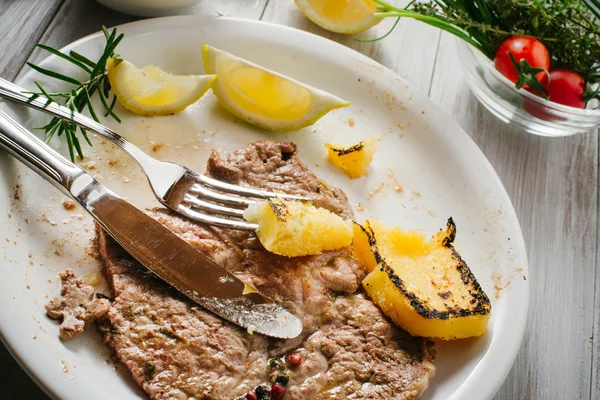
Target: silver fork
(193, 195)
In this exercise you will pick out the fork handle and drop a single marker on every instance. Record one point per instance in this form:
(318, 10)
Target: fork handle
(10, 91)
(36, 154)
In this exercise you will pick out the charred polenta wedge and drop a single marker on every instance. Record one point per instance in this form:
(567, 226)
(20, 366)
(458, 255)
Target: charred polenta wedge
(353, 160)
(294, 228)
(424, 286)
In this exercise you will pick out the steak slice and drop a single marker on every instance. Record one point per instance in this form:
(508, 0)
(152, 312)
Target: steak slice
(177, 350)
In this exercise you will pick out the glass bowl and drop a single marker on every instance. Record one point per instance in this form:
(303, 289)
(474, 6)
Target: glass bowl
(519, 107)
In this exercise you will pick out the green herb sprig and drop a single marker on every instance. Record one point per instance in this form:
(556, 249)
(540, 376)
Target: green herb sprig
(569, 29)
(80, 96)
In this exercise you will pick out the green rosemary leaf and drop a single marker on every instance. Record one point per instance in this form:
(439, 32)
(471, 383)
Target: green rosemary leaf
(82, 58)
(105, 87)
(85, 136)
(109, 36)
(54, 74)
(70, 143)
(72, 130)
(43, 91)
(109, 108)
(51, 132)
(112, 106)
(90, 106)
(46, 127)
(53, 94)
(65, 56)
(108, 52)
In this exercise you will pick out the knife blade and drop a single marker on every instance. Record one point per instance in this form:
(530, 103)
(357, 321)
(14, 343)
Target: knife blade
(169, 257)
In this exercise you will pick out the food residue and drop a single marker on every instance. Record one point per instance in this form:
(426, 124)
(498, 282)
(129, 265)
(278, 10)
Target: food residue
(376, 190)
(68, 204)
(157, 147)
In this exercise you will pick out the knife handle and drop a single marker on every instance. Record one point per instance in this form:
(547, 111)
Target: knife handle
(36, 154)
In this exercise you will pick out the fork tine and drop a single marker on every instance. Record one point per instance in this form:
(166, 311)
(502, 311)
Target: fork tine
(240, 190)
(215, 208)
(216, 221)
(201, 191)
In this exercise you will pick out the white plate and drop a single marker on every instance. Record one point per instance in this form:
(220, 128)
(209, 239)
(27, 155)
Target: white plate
(441, 171)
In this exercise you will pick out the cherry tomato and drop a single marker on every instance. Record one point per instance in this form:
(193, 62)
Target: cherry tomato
(566, 87)
(521, 47)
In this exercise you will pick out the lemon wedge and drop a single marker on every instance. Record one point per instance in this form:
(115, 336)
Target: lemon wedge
(151, 91)
(265, 98)
(341, 16)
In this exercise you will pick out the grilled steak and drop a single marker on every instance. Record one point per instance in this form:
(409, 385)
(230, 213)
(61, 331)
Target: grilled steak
(177, 350)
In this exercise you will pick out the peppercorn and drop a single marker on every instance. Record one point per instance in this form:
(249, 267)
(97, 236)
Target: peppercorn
(294, 359)
(282, 378)
(277, 392)
(276, 363)
(262, 392)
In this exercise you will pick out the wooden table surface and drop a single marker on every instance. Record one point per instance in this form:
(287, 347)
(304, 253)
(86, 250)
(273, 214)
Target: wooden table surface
(553, 183)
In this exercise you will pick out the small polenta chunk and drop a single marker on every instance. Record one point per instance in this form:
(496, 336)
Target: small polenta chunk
(294, 228)
(353, 160)
(424, 286)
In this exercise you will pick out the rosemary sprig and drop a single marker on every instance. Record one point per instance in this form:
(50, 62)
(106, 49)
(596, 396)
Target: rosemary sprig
(80, 96)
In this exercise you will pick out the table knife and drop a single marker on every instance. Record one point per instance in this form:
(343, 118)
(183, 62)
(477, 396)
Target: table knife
(157, 248)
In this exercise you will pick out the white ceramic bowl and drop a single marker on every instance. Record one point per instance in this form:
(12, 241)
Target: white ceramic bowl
(149, 8)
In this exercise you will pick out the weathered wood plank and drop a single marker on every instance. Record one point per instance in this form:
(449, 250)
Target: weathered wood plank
(22, 24)
(553, 186)
(74, 20)
(595, 373)
(409, 50)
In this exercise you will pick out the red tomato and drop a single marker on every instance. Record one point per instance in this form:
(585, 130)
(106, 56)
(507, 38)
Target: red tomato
(521, 47)
(566, 87)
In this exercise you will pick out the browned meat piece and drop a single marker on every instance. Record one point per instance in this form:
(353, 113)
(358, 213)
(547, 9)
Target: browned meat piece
(175, 349)
(76, 305)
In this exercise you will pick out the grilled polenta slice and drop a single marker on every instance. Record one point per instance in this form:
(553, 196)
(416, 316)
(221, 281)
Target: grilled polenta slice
(353, 160)
(294, 228)
(423, 286)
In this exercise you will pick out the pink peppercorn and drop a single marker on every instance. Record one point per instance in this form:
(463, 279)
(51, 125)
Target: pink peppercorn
(251, 396)
(295, 359)
(277, 392)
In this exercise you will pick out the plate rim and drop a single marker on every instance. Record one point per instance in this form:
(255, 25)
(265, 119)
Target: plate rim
(510, 350)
